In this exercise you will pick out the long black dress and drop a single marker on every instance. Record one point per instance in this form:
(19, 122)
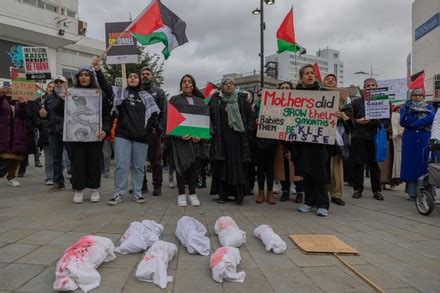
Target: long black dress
(230, 171)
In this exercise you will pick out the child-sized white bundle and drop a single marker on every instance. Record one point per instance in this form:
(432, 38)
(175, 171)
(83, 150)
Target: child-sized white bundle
(271, 240)
(154, 265)
(229, 234)
(77, 267)
(139, 236)
(192, 234)
(224, 263)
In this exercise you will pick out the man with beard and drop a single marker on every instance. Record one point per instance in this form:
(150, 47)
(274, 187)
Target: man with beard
(155, 150)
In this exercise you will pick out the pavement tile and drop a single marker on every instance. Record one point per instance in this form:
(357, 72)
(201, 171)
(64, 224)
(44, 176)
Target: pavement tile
(41, 283)
(410, 275)
(133, 285)
(289, 280)
(128, 261)
(45, 255)
(14, 251)
(15, 275)
(334, 279)
(378, 276)
(267, 259)
(196, 280)
(112, 279)
(41, 237)
(67, 239)
(16, 234)
(192, 261)
(306, 260)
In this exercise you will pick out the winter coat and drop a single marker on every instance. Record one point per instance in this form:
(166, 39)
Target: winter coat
(13, 128)
(310, 158)
(54, 121)
(217, 147)
(161, 101)
(415, 142)
(43, 138)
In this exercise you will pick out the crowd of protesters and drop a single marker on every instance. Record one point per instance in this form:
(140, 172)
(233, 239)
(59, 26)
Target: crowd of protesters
(133, 132)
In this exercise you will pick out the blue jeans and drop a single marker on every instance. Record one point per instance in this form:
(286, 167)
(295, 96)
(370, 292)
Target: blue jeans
(128, 152)
(56, 146)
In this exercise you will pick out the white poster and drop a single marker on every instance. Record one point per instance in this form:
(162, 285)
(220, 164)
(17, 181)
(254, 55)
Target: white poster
(397, 88)
(377, 104)
(82, 115)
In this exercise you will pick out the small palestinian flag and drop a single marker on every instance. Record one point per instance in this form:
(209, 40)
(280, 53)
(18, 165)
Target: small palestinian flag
(286, 36)
(188, 120)
(417, 80)
(158, 24)
(317, 72)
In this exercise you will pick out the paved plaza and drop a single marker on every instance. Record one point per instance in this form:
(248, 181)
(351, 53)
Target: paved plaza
(399, 249)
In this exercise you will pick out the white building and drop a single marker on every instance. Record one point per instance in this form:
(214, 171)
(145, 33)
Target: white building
(49, 23)
(285, 66)
(426, 40)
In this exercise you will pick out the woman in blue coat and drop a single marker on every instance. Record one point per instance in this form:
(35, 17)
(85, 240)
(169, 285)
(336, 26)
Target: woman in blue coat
(416, 117)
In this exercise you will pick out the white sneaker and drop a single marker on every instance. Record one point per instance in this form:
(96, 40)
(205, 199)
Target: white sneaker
(181, 200)
(78, 197)
(276, 187)
(193, 200)
(94, 197)
(171, 184)
(49, 182)
(13, 182)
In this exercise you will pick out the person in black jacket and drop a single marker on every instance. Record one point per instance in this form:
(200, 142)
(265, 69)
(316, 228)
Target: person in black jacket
(155, 148)
(55, 130)
(86, 156)
(363, 147)
(137, 115)
(310, 158)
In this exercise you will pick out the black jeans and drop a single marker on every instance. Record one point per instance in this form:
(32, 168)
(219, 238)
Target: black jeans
(316, 192)
(188, 177)
(265, 167)
(86, 164)
(56, 147)
(155, 158)
(364, 152)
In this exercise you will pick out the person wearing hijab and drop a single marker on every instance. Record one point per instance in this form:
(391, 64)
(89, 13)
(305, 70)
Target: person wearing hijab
(416, 117)
(232, 121)
(187, 151)
(86, 156)
(310, 158)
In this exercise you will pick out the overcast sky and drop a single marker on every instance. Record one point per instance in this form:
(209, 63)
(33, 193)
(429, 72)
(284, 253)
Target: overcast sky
(224, 36)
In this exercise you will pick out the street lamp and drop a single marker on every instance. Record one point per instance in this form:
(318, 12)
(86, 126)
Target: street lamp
(260, 11)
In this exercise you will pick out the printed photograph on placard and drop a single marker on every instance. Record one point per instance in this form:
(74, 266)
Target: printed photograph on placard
(82, 115)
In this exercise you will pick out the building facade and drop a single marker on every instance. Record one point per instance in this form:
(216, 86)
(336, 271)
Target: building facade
(285, 66)
(426, 40)
(47, 23)
(250, 81)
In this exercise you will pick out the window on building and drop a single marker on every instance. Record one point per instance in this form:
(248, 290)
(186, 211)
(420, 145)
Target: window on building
(336, 55)
(51, 7)
(30, 2)
(71, 13)
(40, 4)
(336, 69)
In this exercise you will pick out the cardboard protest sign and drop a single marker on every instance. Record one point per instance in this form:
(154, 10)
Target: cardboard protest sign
(188, 120)
(36, 63)
(377, 104)
(82, 115)
(304, 116)
(23, 89)
(124, 48)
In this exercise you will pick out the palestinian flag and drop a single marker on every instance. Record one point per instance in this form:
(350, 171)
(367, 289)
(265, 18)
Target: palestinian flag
(417, 81)
(317, 72)
(188, 120)
(158, 24)
(286, 36)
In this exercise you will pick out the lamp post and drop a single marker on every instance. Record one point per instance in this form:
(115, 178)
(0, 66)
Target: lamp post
(260, 11)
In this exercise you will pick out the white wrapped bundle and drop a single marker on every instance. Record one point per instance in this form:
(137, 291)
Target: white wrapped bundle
(224, 263)
(229, 234)
(139, 237)
(271, 240)
(192, 234)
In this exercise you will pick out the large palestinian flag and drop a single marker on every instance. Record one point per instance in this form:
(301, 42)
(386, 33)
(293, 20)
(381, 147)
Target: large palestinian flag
(158, 24)
(286, 36)
(188, 120)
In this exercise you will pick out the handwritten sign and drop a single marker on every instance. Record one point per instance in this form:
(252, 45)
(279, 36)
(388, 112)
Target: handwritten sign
(377, 104)
(36, 63)
(305, 116)
(23, 89)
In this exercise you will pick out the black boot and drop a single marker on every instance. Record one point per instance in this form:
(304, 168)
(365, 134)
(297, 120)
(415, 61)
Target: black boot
(285, 196)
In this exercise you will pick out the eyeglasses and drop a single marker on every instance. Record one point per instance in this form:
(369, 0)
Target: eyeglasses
(58, 81)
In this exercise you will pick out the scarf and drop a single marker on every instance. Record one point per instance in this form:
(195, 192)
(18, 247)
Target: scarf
(232, 109)
(120, 95)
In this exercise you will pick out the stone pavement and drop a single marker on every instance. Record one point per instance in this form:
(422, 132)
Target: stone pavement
(399, 249)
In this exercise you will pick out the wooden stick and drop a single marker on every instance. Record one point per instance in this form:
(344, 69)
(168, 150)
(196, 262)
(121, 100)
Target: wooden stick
(371, 283)
(124, 75)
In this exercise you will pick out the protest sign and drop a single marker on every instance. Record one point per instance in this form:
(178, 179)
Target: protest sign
(82, 115)
(124, 48)
(36, 63)
(23, 89)
(305, 116)
(377, 104)
(397, 88)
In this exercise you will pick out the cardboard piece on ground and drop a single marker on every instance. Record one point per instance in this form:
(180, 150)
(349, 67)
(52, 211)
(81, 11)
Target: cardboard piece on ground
(322, 244)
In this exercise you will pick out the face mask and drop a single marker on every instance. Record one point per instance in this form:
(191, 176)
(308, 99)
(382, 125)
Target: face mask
(418, 103)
